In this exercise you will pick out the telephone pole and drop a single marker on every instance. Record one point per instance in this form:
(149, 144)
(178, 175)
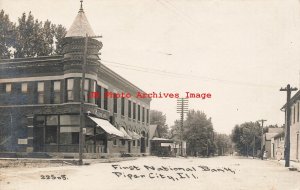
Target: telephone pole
(288, 90)
(262, 138)
(82, 121)
(182, 108)
(82, 99)
(253, 149)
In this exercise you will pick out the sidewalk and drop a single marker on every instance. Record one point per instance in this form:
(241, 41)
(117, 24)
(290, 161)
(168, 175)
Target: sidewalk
(54, 162)
(293, 164)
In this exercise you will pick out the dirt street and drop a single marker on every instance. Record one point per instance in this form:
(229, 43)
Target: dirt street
(157, 173)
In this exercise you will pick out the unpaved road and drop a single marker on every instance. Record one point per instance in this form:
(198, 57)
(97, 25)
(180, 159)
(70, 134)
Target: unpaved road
(154, 173)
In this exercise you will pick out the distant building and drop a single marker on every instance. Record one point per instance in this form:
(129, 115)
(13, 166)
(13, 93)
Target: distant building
(40, 102)
(277, 144)
(295, 126)
(268, 144)
(163, 146)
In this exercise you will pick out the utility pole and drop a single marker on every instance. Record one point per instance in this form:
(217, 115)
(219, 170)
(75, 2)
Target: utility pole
(253, 147)
(82, 100)
(262, 138)
(288, 90)
(182, 108)
(11, 133)
(82, 119)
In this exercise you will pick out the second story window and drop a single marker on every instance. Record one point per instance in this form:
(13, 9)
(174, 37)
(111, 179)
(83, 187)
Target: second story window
(147, 116)
(99, 98)
(115, 103)
(92, 90)
(70, 89)
(105, 102)
(139, 113)
(86, 89)
(134, 110)
(55, 94)
(8, 88)
(40, 92)
(122, 106)
(294, 113)
(143, 114)
(298, 112)
(129, 109)
(24, 87)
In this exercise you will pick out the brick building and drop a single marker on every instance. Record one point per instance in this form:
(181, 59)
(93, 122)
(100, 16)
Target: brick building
(295, 126)
(40, 102)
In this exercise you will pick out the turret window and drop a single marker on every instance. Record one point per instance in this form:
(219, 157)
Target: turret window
(70, 89)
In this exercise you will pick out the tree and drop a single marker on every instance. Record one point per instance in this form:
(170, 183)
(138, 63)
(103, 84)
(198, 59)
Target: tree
(247, 138)
(7, 36)
(222, 143)
(25, 36)
(159, 119)
(29, 37)
(198, 133)
(59, 34)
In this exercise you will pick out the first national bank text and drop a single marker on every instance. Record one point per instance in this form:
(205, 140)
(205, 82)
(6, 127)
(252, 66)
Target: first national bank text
(109, 94)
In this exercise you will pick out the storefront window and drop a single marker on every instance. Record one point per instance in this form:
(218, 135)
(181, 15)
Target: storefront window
(69, 138)
(40, 120)
(122, 141)
(51, 135)
(52, 120)
(69, 120)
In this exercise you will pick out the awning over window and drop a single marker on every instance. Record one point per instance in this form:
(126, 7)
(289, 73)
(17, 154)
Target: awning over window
(136, 136)
(133, 135)
(126, 136)
(107, 127)
(161, 139)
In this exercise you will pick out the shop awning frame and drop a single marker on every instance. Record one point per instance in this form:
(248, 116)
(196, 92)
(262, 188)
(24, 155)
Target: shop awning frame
(126, 136)
(107, 126)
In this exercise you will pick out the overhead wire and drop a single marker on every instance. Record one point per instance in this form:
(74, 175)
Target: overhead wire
(182, 75)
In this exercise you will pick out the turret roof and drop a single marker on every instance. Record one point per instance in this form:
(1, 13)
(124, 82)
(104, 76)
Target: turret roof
(80, 26)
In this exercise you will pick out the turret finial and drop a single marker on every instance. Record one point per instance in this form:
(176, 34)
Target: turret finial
(81, 8)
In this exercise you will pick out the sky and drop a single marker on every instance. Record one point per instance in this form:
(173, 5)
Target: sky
(240, 51)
